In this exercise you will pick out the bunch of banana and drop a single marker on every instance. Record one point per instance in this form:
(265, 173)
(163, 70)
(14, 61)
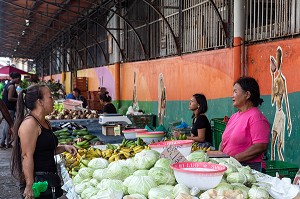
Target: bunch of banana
(196, 147)
(114, 153)
(82, 145)
(82, 158)
(129, 143)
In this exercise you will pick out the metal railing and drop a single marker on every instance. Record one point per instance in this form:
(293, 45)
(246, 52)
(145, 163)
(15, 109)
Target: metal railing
(267, 19)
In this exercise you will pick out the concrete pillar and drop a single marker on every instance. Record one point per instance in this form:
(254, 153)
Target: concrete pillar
(239, 38)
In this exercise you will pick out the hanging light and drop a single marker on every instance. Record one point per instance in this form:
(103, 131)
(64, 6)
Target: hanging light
(26, 22)
(23, 32)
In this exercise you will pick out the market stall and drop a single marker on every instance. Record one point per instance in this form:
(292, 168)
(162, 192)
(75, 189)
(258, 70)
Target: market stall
(130, 170)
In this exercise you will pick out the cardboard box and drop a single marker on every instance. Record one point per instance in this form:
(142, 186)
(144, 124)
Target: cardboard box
(108, 130)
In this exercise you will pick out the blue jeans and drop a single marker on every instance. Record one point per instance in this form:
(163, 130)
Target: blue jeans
(5, 129)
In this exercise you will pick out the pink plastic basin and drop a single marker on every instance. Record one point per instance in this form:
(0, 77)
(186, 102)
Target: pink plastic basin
(184, 146)
(149, 137)
(202, 175)
(131, 133)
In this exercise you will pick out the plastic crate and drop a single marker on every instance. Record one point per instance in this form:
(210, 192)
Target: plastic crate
(284, 169)
(218, 123)
(218, 127)
(217, 137)
(140, 121)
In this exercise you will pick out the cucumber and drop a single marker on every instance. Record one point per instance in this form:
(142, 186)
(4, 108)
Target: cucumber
(63, 137)
(94, 139)
(77, 130)
(80, 133)
(61, 130)
(89, 137)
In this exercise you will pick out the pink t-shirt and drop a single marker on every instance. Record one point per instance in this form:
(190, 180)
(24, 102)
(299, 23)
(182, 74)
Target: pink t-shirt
(243, 130)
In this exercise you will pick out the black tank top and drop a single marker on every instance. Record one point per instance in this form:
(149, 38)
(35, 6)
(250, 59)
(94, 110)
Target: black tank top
(10, 105)
(44, 150)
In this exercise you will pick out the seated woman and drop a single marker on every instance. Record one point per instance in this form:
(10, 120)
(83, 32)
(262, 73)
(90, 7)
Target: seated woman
(201, 129)
(247, 132)
(108, 107)
(76, 95)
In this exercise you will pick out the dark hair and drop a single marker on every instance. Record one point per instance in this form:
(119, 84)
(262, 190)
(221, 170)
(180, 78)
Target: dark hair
(76, 90)
(105, 97)
(201, 100)
(251, 85)
(15, 75)
(34, 78)
(26, 100)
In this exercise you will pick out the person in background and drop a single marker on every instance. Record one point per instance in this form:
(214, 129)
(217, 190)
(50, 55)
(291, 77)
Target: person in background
(10, 99)
(201, 129)
(35, 144)
(76, 96)
(108, 107)
(247, 132)
(34, 79)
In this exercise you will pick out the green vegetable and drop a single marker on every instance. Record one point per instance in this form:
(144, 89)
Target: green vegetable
(236, 177)
(165, 163)
(85, 172)
(141, 185)
(141, 173)
(162, 175)
(145, 159)
(100, 174)
(180, 188)
(159, 193)
(98, 163)
(257, 192)
(198, 156)
(89, 192)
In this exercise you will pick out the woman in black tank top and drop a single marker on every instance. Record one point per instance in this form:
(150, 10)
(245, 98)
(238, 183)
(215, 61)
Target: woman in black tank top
(35, 144)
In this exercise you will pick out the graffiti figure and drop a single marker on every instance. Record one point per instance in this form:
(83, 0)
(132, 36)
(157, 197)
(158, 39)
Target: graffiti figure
(279, 93)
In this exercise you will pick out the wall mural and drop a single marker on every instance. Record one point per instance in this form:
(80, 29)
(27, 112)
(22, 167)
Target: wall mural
(279, 93)
(162, 99)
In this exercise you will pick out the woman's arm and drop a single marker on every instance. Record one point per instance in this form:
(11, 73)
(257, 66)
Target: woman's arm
(69, 148)
(200, 137)
(28, 133)
(252, 152)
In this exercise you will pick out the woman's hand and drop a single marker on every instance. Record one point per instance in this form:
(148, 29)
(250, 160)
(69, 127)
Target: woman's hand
(71, 149)
(28, 192)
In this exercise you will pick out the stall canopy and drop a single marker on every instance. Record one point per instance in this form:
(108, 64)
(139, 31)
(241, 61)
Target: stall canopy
(6, 70)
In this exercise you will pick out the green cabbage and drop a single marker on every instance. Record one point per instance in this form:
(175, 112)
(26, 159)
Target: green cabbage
(242, 188)
(89, 192)
(224, 186)
(166, 187)
(141, 173)
(198, 156)
(94, 182)
(81, 187)
(230, 168)
(116, 185)
(162, 175)
(98, 163)
(159, 193)
(85, 172)
(134, 196)
(250, 179)
(126, 183)
(100, 174)
(180, 188)
(109, 193)
(258, 192)
(119, 170)
(145, 159)
(77, 180)
(244, 170)
(141, 185)
(236, 177)
(164, 162)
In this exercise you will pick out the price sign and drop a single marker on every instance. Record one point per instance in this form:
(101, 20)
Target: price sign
(172, 153)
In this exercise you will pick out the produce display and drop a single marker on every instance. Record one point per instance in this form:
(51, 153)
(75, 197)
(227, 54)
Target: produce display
(86, 153)
(60, 114)
(145, 175)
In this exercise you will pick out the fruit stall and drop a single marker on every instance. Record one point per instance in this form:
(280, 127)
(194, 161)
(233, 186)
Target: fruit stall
(154, 168)
(145, 163)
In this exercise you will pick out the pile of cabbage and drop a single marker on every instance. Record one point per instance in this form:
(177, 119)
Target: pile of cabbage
(147, 176)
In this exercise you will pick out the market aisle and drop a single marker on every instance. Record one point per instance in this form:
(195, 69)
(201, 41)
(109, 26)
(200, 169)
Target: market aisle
(8, 186)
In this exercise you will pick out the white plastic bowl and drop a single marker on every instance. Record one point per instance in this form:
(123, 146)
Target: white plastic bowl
(183, 146)
(149, 137)
(202, 175)
(131, 133)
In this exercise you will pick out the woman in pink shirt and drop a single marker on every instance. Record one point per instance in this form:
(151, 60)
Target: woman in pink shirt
(247, 132)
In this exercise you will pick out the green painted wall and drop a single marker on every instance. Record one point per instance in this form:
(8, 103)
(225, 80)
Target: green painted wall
(218, 108)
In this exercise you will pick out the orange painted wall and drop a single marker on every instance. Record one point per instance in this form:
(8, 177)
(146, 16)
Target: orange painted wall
(206, 72)
(258, 60)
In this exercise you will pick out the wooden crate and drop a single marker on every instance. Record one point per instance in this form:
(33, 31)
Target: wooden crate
(94, 95)
(81, 83)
